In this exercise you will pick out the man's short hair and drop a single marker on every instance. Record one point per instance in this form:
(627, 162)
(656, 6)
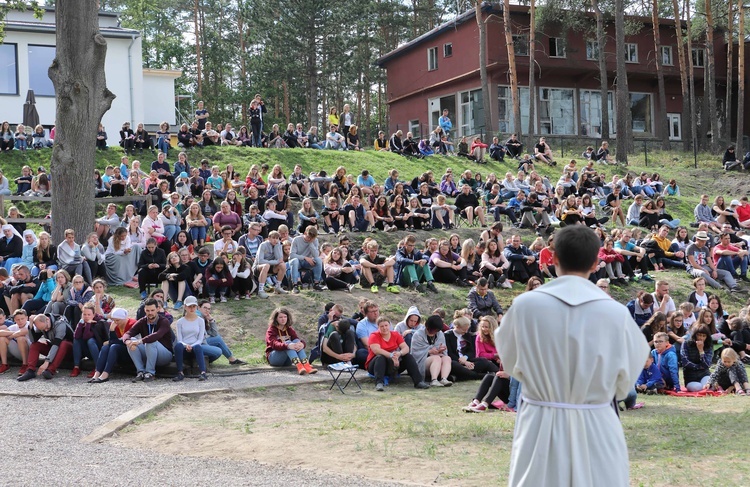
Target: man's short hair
(150, 302)
(482, 282)
(370, 304)
(311, 231)
(577, 248)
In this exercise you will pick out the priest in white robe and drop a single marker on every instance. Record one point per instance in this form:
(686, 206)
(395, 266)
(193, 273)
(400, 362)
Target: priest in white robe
(574, 349)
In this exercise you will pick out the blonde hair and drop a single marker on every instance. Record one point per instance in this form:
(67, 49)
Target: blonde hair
(730, 354)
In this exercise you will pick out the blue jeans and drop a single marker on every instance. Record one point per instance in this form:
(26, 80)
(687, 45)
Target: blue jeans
(21, 144)
(297, 264)
(109, 355)
(215, 348)
(283, 359)
(630, 399)
(170, 231)
(163, 145)
(217, 291)
(147, 356)
(197, 352)
(81, 348)
(198, 233)
(515, 393)
(730, 263)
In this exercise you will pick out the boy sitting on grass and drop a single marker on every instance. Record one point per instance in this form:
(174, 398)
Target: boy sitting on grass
(650, 379)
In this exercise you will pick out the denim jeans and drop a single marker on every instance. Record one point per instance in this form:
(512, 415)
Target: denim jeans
(163, 144)
(630, 399)
(215, 348)
(147, 356)
(81, 348)
(515, 393)
(198, 233)
(283, 359)
(214, 291)
(730, 263)
(298, 264)
(109, 355)
(197, 352)
(170, 231)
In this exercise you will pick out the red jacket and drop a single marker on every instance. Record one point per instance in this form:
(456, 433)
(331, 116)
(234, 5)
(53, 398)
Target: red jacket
(275, 342)
(610, 256)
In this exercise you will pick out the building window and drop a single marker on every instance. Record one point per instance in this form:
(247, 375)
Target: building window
(557, 111)
(556, 47)
(40, 59)
(698, 61)
(471, 112)
(640, 112)
(666, 56)
(675, 126)
(631, 52)
(520, 44)
(8, 69)
(590, 102)
(505, 109)
(414, 128)
(592, 50)
(448, 49)
(432, 58)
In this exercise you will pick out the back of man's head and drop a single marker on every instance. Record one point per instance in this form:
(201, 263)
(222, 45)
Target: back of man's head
(577, 248)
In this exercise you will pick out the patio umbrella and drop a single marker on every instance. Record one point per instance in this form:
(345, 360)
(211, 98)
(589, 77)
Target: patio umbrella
(30, 115)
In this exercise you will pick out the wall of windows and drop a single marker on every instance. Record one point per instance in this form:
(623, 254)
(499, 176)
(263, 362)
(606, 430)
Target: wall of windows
(40, 59)
(590, 102)
(8, 69)
(505, 109)
(557, 113)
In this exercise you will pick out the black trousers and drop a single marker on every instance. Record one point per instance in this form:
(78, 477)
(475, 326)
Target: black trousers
(380, 366)
(447, 275)
(491, 387)
(147, 276)
(521, 271)
(631, 263)
(342, 281)
(339, 345)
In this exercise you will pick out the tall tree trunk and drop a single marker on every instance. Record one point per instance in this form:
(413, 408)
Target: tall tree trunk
(512, 73)
(727, 132)
(199, 74)
(622, 107)
(709, 73)
(532, 66)
(312, 74)
(691, 78)
(364, 118)
(686, 112)
(661, 116)
(741, 82)
(483, 70)
(243, 66)
(287, 108)
(82, 98)
(601, 39)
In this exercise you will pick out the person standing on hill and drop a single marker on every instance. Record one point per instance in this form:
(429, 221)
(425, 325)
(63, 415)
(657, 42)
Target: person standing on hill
(572, 369)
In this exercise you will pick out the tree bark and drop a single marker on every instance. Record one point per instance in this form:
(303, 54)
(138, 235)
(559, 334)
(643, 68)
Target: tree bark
(686, 111)
(243, 53)
(709, 73)
(199, 74)
(727, 132)
(741, 83)
(691, 78)
(601, 39)
(661, 116)
(483, 70)
(622, 108)
(532, 66)
(82, 98)
(512, 73)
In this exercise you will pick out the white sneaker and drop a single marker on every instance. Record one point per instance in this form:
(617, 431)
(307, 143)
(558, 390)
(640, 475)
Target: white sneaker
(446, 382)
(262, 294)
(280, 290)
(436, 383)
(330, 231)
(223, 299)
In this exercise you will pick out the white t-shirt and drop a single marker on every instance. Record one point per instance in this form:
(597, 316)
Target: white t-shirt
(670, 304)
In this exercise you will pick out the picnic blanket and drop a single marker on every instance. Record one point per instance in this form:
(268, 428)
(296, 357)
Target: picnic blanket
(704, 393)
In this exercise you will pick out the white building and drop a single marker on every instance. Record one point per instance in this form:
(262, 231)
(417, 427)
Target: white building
(143, 95)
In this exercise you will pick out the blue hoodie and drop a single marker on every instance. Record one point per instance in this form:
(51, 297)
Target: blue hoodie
(650, 376)
(667, 363)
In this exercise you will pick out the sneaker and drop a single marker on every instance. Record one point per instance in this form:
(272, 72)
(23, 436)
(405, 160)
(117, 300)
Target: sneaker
(179, 377)
(472, 404)
(446, 382)
(350, 287)
(4, 368)
(491, 281)
(238, 362)
(435, 383)
(203, 376)
(138, 377)
(212, 300)
(330, 231)
(28, 375)
(236, 298)
(280, 290)
(431, 287)
(374, 289)
(23, 369)
(148, 377)
(297, 288)
(47, 374)
(414, 285)
(745, 278)
(393, 288)
(91, 374)
(421, 385)
(422, 288)
(309, 368)
(144, 295)
(380, 387)
(319, 287)
(178, 304)
(262, 294)
(479, 408)
(223, 299)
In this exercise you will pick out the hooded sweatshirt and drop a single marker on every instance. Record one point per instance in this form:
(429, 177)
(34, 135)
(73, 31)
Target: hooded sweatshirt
(402, 328)
(667, 363)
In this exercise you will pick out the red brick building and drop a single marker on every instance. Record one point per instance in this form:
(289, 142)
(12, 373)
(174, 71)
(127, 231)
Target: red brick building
(440, 69)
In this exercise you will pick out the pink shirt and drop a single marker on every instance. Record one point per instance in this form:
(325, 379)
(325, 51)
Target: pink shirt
(485, 350)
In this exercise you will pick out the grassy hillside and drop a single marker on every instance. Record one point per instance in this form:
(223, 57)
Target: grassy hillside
(245, 324)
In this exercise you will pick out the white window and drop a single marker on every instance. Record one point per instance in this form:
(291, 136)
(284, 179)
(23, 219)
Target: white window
(505, 109)
(414, 128)
(471, 111)
(698, 61)
(447, 50)
(520, 44)
(557, 111)
(8, 69)
(40, 59)
(432, 59)
(666, 56)
(675, 126)
(590, 102)
(631, 52)
(592, 50)
(556, 47)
